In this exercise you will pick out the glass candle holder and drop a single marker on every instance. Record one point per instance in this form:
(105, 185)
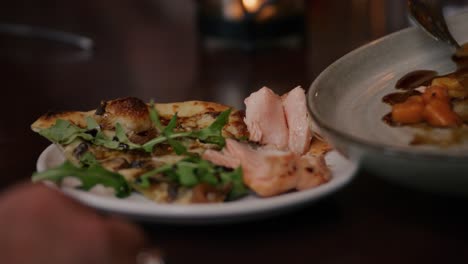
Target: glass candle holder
(251, 24)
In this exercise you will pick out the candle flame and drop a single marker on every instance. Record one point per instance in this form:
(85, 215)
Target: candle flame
(252, 5)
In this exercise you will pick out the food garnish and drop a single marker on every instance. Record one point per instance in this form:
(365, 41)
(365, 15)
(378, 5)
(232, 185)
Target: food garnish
(64, 132)
(88, 176)
(192, 171)
(163, 150)
(430, 101)
(210, 134)
(284, 161)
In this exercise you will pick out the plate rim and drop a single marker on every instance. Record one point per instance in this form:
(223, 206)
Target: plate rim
(389, 150)
(187, 214)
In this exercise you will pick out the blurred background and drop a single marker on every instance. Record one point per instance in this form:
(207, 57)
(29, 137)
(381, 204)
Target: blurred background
(169, 51)
(69, 55)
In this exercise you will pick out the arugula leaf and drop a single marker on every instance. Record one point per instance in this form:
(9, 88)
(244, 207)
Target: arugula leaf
(177, 146)
(193, 170)
(91, 123)
(168, 131)
(154, 116)
(64, 132)
(168, 135)
(170, 127)
(185, 171)
(102, 140)
(207, 172)
(182, 172)
(122, 137)
(88, 159)
(148, 146)
(235, 178)
(89, 177)
(213, 133)
(144, 178)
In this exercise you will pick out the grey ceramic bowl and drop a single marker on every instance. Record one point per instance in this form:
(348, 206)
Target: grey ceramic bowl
(345, 102)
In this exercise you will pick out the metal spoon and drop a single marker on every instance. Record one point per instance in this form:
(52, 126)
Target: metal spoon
(428, 14)
(78, 47)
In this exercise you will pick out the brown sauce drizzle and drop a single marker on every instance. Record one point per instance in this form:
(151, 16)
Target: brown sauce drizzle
(399, 97)
(407, 87)
(415, 79)
(387, 119)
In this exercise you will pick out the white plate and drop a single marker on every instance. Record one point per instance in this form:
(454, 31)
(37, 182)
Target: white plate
(346, 102)
(250, 207)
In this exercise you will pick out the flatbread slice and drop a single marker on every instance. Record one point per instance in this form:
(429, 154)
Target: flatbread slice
(120, 153)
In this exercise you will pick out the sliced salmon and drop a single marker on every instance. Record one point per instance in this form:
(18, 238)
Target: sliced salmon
(265, 118)
(267, 172)
(295, 108)
(286, 160)
(312, 171)
(221, 158)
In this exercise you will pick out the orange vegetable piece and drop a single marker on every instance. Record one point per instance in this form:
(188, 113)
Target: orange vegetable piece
(438, 113)
(415, 99)
(436, 92)
(409, 112)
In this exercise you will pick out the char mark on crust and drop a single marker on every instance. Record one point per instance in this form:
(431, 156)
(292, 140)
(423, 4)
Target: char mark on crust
(172, 191)
(130, 112)
(138, 164)
(143, 136)
(127, 106)
(51, 114)
(237, 121)
(101, 109)
(213, 114)
(239, 114)
(47, 120)
(80, 150)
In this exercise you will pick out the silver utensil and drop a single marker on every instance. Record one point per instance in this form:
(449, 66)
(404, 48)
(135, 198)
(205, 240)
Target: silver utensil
(428, 15)
(21, 30)
(78, 47)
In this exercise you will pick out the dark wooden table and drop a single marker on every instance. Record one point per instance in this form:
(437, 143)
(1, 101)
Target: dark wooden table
(151, 49)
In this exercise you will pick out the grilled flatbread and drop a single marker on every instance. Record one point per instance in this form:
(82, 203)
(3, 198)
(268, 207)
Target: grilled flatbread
(118, 132)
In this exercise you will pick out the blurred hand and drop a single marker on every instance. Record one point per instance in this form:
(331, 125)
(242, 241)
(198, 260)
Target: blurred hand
(41, 225)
